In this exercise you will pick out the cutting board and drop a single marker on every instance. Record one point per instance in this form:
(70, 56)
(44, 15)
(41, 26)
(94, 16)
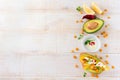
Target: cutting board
(36, 39)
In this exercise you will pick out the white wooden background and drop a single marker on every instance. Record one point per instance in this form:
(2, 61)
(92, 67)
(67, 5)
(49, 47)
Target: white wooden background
(36, 37)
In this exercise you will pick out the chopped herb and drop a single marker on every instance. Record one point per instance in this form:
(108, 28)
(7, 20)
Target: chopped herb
(84, 75)
(78, 8)
(97, 67)
(88, 41)
(89, 60)
(80, 37)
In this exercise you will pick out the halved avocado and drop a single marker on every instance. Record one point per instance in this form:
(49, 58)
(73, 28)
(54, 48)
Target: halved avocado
(92, 26)
(92, 67)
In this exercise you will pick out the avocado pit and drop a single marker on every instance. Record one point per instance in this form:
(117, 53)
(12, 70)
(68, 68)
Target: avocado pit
(92, 25)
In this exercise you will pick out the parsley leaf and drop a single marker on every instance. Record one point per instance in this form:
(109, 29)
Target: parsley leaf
(87, 42)
(78, 8)
(84, 75)
(80, 37)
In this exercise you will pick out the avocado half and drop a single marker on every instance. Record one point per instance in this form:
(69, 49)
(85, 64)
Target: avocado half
(88, 67)
(99, 22)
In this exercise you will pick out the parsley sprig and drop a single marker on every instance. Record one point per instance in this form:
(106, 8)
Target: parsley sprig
(80, 36)
(88, 41)
(78, 8)
(84, 75)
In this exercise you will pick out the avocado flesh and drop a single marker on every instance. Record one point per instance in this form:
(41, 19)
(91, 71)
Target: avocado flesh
(86, 65)
(100, 23)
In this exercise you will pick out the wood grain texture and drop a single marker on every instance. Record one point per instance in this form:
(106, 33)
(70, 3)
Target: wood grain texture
(36, 37)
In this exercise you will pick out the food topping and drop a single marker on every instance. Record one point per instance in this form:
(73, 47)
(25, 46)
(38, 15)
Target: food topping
(100, 64)
(86, 58)
(90, 42)
(91, 61)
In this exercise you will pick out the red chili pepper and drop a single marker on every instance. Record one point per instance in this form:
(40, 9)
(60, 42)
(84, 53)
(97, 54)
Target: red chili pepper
(92, 43)
(89, 17)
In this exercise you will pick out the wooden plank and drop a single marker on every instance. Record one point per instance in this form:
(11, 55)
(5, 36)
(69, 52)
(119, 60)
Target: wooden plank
(36, 38)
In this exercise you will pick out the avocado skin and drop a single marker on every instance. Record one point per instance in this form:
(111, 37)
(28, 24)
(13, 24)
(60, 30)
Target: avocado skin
(96, 30)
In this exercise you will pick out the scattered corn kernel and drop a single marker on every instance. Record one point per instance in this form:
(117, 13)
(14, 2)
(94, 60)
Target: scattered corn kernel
(106, 26)
(96, 76)
(76, 66)
(108, 17)
(93, 75)
(103, 32)
(77, 49)
(81, 20)
(100, 50)
(105, 10)
(102, 13)
(77, 21)
(81, 12)
(113, 67)
(72, 51)
(75, 57)
(107, 56)
(98, 36)
(105, 45)
(96, 55)
(81, 31)
(106, 62)
(101, 58)
(105, 35)
(75, 36)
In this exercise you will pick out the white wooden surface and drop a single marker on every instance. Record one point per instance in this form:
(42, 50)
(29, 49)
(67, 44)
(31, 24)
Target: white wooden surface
(36, 37)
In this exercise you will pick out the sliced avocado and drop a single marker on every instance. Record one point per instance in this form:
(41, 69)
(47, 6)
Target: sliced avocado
(93, 68)
(92, 26)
